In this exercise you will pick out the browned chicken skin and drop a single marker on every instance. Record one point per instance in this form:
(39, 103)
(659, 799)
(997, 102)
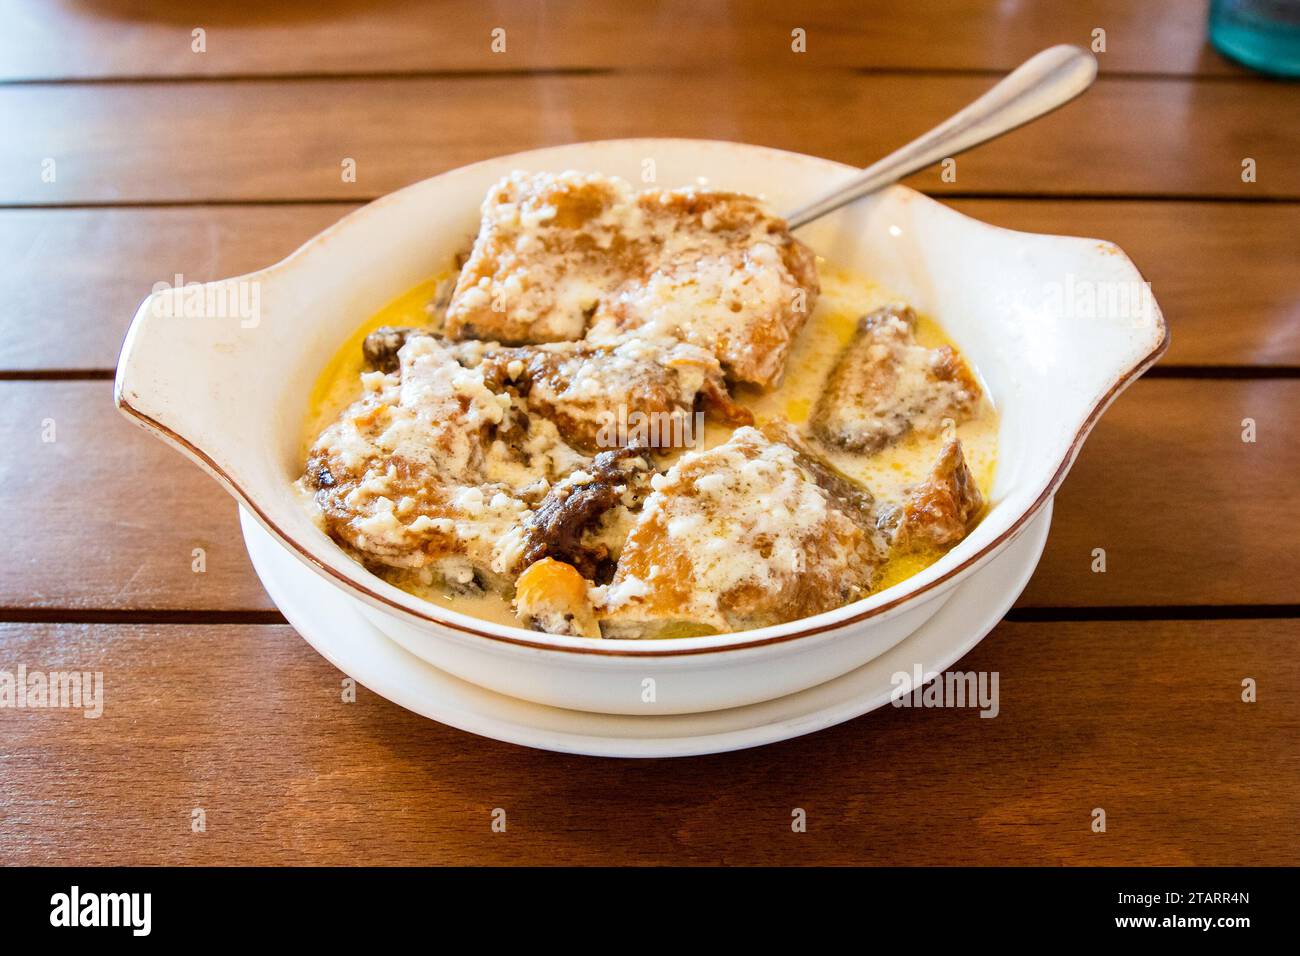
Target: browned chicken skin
(745, 534)
(563, 257)
(850, 497)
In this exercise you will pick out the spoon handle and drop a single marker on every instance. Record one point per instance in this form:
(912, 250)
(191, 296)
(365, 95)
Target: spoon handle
(1038, 86)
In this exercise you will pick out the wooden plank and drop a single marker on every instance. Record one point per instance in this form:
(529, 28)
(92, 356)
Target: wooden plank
(72, 278)
(60, 41)
(109, 517)
(286, 140)
(1144, 720)
(1186, 512)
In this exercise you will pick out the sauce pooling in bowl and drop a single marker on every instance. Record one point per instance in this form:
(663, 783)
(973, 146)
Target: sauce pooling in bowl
(845, 298)
(645, 414)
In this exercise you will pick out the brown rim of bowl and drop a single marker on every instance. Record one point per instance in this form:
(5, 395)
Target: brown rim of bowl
(374, 597)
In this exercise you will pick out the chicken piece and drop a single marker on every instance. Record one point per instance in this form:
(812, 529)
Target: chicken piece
(557, 254)
(568, 523)
(940, 509)
(599, 397)
(551, 596)
(634, 393)
(728, 276)
(885, 385)
(742, 535)
(548, 247)
(849, 496)
(411, 475)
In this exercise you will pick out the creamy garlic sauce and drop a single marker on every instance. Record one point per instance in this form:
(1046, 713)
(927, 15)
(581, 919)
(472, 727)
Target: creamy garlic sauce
(845, 297)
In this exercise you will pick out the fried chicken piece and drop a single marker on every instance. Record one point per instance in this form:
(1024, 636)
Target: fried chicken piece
(641, 393)
(940, 509)
(599, 397)
(548, 247)
(885, 386)
(561, 256)
(728, 276)
(742, 535)
(406, 477)
(849, 496)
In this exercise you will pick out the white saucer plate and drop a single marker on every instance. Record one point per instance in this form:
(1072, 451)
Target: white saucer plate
(330, 623)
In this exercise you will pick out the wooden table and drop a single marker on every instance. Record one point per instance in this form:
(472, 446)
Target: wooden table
(1120, 690)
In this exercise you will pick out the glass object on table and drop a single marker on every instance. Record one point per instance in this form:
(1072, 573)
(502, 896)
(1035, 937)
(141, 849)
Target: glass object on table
(1261, 34)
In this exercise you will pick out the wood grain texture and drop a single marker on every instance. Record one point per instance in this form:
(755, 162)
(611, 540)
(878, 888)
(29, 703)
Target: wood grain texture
(72, 278)
(107, 515)
(42, 40)
(286, 140)
(1187, 513)
(1143, 720)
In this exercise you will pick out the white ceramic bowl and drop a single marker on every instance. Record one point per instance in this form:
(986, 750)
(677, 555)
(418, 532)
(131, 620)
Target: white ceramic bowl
(1056, 326)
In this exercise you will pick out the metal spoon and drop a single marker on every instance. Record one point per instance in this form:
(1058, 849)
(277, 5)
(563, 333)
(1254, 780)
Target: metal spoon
(1038, 86)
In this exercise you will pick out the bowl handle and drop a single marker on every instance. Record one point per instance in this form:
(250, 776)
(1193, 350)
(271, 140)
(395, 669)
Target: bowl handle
(185, 373)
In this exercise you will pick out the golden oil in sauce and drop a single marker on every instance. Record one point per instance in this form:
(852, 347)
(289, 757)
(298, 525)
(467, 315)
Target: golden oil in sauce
(339, 383)
(844, 299)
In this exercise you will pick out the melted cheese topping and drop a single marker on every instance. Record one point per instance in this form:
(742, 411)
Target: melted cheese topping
(560, 257)
(547, 250)
(735, 535)
(407, 476)
(583, 386)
